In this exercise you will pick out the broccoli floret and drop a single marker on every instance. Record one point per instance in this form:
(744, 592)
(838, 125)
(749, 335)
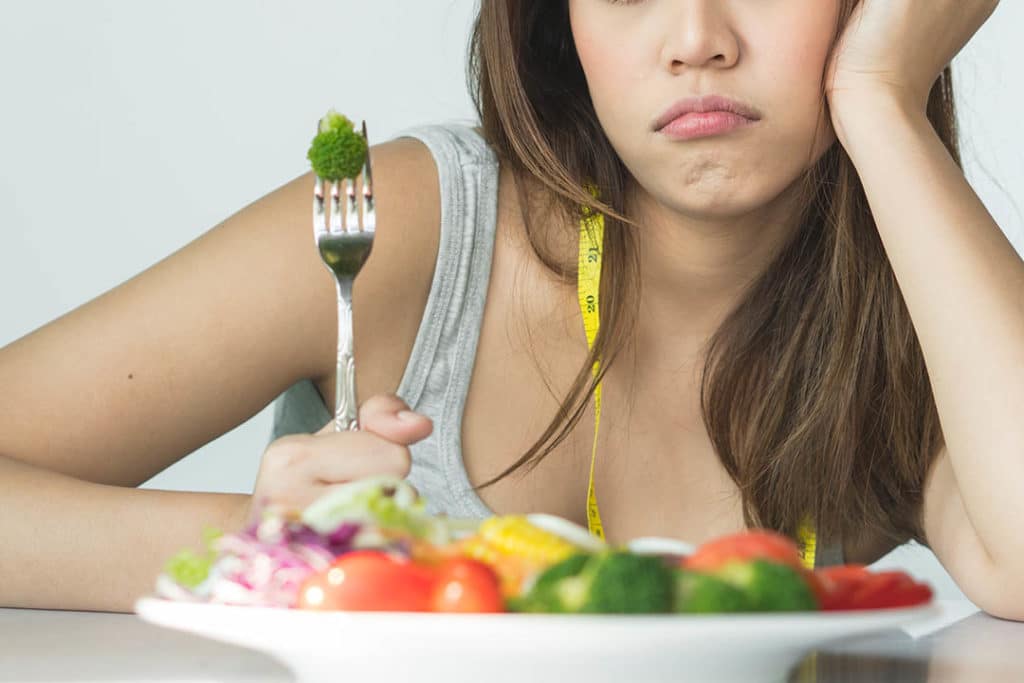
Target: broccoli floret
(337, 151)
(543, 596)
(613, 582)
(619, 583)
(769, 586)
(697, 593)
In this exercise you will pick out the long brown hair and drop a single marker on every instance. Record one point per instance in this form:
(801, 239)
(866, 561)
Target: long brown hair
(814, 390)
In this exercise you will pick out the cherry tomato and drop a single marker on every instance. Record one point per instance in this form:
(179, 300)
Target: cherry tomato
(465, 585)
(369, 580)
(758, 544)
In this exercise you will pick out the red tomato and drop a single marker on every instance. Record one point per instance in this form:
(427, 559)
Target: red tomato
(855, 587)
(915, 594)
(758, 544)
(872, 593)
(816, 585)
(890, 589)
(369, 580)
(838, 584)
(465, 585)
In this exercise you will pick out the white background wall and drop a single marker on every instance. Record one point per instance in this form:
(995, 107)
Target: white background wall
(130, 127)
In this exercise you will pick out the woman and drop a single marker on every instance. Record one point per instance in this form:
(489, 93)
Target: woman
(793, 304)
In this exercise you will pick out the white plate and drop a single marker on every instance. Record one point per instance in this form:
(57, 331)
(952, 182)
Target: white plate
(376, 647)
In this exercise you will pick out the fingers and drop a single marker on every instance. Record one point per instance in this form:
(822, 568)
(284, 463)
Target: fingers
(296, 469)
(387, 428)
(355, 455)
(389, 416)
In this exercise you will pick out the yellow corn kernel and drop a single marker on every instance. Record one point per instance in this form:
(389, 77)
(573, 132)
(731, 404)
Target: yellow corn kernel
(475, 548)
(514, 535)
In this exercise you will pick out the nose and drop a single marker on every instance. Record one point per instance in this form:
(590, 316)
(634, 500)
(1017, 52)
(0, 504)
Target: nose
(699, 34)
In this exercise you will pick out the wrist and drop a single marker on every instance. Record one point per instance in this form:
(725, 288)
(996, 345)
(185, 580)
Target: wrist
(864, 118)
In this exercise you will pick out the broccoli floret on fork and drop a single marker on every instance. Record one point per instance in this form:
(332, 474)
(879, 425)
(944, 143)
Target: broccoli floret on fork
(337, 151)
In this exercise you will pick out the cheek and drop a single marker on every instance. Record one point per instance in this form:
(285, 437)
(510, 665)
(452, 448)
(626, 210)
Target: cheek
(795, 48)
(795, 70)
(598, 66)
(796, 73)
(609, 71)
(587, 41)
(793, 43)
(593, 59)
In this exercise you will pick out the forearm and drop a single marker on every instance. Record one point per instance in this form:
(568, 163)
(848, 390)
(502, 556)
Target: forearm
(69, 544)
(964, 288)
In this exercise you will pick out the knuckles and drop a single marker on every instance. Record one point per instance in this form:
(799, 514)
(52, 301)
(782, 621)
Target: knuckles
(288, 451)
(291, 452)
(382, 403)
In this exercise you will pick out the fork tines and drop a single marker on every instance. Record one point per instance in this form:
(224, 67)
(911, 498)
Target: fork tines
(369, 209)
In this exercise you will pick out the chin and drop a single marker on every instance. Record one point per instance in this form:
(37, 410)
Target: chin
(719, 203)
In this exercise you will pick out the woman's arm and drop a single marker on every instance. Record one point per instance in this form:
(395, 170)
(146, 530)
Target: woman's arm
(962, 280)
(71, 544)
(124, 386)
(117, 390)
(964, 287)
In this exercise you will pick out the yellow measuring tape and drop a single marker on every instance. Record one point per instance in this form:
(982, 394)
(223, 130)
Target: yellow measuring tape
(588, 289)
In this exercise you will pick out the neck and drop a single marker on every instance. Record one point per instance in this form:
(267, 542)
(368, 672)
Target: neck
(694, 268)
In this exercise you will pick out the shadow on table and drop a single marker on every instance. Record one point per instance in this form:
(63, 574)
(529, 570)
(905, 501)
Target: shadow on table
(84, 646)
(977, 649)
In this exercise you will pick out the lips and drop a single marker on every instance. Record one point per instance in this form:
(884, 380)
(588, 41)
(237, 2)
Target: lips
(705, 104)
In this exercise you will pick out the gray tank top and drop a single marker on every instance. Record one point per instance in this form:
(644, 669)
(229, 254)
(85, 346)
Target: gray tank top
(436, 379)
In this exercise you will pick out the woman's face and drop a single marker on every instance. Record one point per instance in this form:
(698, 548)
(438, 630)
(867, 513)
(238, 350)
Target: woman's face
(642, 56)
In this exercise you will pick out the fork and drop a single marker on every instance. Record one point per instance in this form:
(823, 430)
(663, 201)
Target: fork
(344, 248)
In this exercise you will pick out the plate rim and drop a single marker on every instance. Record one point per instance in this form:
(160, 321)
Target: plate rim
(146, 604)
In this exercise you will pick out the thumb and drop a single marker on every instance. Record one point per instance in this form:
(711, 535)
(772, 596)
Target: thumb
(389, 417)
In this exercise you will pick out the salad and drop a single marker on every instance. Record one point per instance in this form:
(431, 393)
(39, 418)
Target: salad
(370, 545)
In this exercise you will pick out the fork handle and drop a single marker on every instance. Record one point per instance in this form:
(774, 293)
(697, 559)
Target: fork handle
(345, 409)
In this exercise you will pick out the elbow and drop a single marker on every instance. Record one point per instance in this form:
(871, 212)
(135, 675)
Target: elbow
(1002, 596)
(1003, 611)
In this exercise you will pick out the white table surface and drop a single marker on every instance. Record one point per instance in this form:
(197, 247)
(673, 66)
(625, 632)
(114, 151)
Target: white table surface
(62, 646)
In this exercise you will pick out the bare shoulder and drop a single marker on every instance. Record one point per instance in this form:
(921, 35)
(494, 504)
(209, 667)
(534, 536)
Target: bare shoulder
(391, 291)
